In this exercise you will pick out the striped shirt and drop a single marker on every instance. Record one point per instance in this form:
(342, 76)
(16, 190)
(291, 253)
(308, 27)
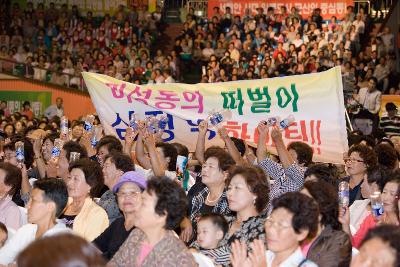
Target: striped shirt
(391, 126)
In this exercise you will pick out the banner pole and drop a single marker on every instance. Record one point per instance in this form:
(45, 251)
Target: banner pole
(348, 119)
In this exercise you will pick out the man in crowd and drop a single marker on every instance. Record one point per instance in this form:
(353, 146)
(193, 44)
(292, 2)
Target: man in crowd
(55, 110)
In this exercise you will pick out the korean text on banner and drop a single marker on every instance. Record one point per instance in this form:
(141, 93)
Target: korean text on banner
(315, 100)
(305, 7)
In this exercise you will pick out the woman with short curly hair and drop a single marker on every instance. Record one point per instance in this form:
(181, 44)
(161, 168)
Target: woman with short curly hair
(153, 242)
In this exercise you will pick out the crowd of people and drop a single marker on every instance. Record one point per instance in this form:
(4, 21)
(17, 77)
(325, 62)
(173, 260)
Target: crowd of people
(128, 204)
(55, 44)
(72, 195)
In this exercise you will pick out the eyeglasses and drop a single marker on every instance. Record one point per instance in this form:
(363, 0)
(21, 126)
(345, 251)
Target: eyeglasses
(128, 194)
(278, 225)
(352, 160)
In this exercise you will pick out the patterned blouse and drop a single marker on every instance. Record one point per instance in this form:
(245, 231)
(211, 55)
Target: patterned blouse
(251, 229)
(197, 206)
(109, 203)
(286, 180)
(169, 252)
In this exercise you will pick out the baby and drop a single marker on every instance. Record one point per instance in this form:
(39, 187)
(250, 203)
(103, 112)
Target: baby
(3, 234)
(211, 229)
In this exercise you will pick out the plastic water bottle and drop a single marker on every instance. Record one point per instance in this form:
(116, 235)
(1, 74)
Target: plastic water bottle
(89, 123)
(96, 132)
(376, 205)
(64, 125)
(152, 124)
(216, 118)
(133, 123)
(272, 121)
(285, 123)
(344, 194)
(56, 150)
(162, 123)
(20, 152)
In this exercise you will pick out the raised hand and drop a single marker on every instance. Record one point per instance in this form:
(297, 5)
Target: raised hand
(239, 255)
(203, 127)
(276, 134)
(263, 128)
(257, 254)
(223, 133)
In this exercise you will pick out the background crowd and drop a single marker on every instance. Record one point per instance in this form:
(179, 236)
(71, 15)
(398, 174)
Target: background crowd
(79, 195)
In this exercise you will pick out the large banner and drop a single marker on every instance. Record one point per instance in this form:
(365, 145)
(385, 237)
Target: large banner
(315, 100)
(305, 7)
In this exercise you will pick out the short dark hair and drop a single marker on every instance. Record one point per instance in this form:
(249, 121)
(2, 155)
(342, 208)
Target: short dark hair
(111, 142)
(171, 200)
(218, 220)
(13, 177)
(121, 161)
(387, 155)
(374, 79)
(256, 181)
(72, 146)
(304, 209)
(303, 151)
(325, 194)
(55, 190)
(388, 234)
(181, 149)
(171, 152)
(93, 174)
(3, 228)
(367, 155)
(52, 137)
(322, 171)
(60, 250)
(378, 175)
(239, 144)
(225, 160)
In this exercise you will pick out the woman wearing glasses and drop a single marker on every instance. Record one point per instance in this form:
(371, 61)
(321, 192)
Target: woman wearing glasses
(360, 159)
(294, 219)
(128, 190)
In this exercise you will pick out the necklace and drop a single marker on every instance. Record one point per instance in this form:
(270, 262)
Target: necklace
(212, 201)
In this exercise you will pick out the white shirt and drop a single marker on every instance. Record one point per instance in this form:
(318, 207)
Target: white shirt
(358, 212)
(294, 260)
(23, 237)
(370, 101)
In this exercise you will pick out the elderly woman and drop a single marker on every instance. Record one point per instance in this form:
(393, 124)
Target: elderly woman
(294, 219)
(10, 181)
(153, 242)
(331, 247)
(212, 198)
(390, 196)
(360, 159)
(128, 190)
(247, 194)
(82, 214)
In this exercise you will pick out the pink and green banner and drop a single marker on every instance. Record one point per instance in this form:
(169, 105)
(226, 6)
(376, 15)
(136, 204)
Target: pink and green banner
(315, 100)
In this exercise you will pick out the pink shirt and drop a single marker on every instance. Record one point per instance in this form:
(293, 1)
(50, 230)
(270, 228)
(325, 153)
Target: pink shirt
(10, 214)
(368, 223)
(145, 250)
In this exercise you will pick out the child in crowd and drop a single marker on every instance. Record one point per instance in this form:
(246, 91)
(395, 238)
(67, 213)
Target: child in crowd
(211, 229)
(3, 234)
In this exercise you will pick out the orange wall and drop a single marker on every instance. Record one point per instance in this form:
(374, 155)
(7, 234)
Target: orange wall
(75, 103)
